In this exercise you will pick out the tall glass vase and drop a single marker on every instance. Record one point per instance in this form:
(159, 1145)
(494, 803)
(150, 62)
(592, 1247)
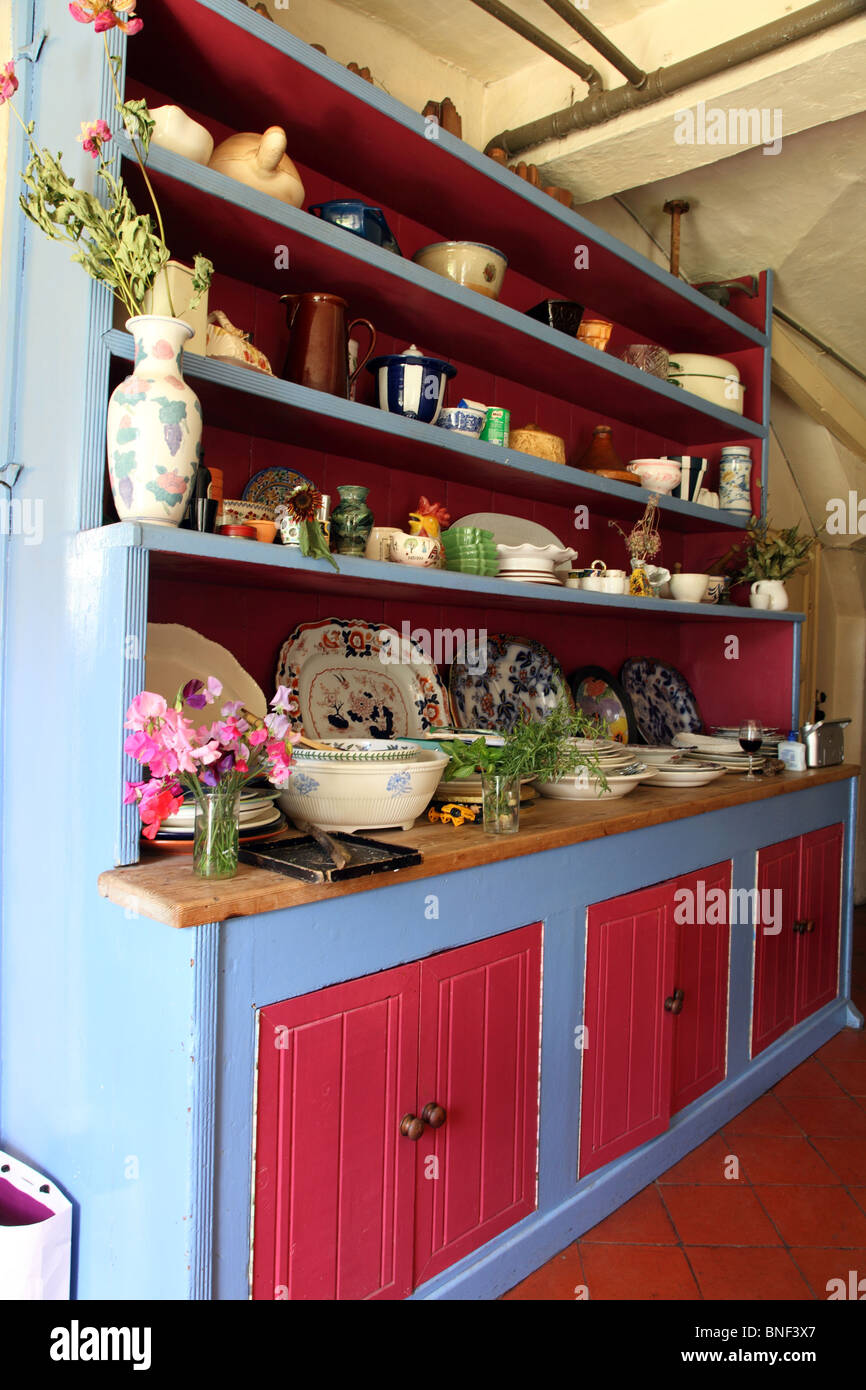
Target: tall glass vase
(215, 846)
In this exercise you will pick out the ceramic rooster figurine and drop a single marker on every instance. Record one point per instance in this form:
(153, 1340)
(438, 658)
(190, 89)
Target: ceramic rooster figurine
(428, 519)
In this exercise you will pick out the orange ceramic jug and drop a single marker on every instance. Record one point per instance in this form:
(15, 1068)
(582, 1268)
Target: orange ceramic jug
(318, 354)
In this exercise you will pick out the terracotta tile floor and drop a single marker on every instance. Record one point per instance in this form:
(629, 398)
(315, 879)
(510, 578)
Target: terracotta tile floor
(794, 1219)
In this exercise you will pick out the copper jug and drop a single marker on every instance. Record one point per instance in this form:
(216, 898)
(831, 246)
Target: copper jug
(318, 354)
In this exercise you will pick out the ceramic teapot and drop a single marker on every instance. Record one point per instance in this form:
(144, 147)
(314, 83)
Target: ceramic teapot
(261, 162)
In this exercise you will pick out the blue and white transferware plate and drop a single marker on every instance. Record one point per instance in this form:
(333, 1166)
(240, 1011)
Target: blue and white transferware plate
(663, 701)
(520, 678)
(361, 680)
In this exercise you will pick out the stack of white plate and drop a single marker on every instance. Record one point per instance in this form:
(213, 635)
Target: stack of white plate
(768, 749)
(257, 812)
(584, 787)
(726, 752)
(684, 770)
(651, 754)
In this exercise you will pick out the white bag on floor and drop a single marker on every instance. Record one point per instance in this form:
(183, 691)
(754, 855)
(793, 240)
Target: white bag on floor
(35, 1234)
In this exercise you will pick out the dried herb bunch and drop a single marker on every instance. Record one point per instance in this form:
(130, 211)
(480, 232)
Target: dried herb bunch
(643, 541)
(767, 553)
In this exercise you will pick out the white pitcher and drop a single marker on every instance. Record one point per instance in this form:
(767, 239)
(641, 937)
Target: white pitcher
(769, 594)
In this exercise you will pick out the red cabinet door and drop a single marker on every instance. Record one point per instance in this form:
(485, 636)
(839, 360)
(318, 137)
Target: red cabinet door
(820, 911)
(479, 1051)
(334, 1181)
(703, 947)
(774, 1007)
(626, 1077)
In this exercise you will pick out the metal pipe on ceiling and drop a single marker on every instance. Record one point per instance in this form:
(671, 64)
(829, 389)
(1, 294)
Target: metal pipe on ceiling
(528, 31)
(599, 41)
(601, 106)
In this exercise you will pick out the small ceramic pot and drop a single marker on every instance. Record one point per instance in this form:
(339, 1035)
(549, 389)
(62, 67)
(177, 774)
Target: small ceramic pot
(715, 588)
(658, 475)
(424, 552)
(379, 542)
(410, 384)
(596, 333)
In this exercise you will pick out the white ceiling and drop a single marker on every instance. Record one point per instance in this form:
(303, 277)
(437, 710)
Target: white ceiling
(461, 33)
(800, 212)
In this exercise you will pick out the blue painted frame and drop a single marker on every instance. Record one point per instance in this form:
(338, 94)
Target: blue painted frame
(389, 926)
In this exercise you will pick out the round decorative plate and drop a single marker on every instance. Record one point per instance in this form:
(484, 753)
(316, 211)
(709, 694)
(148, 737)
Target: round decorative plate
(521, 676)
(600, 696)
(271, 487)
(664, 702)
(363, 680)
(175, 654)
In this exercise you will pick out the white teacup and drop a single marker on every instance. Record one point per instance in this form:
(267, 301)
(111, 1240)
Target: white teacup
(379, 542)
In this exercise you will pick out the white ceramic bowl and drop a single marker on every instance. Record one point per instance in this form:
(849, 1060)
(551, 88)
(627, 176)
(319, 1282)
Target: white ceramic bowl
(659, 475)
(689, 588)
(585, 788)
(470, 263)
(364, 796)
(460, 420)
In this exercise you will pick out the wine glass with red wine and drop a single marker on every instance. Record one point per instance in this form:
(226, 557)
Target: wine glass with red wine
(751, 738)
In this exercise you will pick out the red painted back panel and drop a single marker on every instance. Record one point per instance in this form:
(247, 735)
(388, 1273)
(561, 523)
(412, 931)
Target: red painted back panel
(821, 888)
(479, 1038)
(625, 1091)
(333, 1178)
(775, 956)
(700, 1031)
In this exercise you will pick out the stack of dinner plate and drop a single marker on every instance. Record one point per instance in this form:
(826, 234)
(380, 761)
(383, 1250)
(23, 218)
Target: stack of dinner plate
(532, 564)
(257, 813)
(683, 770)
(726, 752)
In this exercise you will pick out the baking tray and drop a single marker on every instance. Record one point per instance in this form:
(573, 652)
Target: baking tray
(304, 858)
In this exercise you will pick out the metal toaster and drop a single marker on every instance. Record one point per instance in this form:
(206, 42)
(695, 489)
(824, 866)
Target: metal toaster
(825, 742)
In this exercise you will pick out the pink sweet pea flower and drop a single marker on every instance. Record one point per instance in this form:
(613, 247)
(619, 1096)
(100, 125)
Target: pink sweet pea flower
(105, 14)
(284, 699)
(94, 135)
(8, 82)
(257, 736)
(144, 708)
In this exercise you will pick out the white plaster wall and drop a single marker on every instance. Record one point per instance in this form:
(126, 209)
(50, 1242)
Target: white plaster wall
(399, 65)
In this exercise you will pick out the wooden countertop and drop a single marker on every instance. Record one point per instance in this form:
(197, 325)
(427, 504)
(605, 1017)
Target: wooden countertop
(166, 889)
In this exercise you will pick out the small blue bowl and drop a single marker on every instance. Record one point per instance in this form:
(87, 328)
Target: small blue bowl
(462, 421)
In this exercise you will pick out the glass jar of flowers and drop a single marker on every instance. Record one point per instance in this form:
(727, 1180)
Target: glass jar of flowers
(213, 763)
(643, 543)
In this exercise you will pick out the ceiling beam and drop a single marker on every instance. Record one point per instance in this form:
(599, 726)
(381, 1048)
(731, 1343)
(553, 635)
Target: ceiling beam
(809, 387)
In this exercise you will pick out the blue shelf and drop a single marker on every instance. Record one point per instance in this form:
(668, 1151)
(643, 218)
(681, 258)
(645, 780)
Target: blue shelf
(362, 432)
(213, 559)
(360, 135)
(237, 224)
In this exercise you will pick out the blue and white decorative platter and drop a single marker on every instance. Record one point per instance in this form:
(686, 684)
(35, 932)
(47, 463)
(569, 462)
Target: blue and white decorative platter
(664, 703)
(521, 677)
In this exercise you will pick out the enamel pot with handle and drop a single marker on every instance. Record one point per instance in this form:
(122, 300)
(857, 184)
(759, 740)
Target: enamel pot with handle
(318, 354)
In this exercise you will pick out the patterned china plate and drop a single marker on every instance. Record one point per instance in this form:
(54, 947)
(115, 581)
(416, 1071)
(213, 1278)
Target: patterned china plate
(664, 702)
(600, 695)
(271, 487)
(521, 676)
(361, 680)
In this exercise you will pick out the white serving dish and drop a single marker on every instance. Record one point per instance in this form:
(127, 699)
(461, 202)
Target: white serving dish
(526, 557)
(695, 776)
(581, 787)
(364, 796)
(176, 654)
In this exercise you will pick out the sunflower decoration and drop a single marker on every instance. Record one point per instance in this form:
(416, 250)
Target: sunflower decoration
(303, 504)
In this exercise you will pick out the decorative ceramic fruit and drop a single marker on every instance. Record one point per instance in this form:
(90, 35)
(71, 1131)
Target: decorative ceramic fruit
(261, 162)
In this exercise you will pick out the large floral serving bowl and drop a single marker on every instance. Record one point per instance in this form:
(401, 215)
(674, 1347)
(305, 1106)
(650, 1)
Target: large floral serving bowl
(358, 795)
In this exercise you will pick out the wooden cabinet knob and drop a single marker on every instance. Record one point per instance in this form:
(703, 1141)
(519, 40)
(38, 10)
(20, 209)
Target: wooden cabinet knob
(411, 1127)
(804, 927)
(674, 1002)
(433, 1115)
